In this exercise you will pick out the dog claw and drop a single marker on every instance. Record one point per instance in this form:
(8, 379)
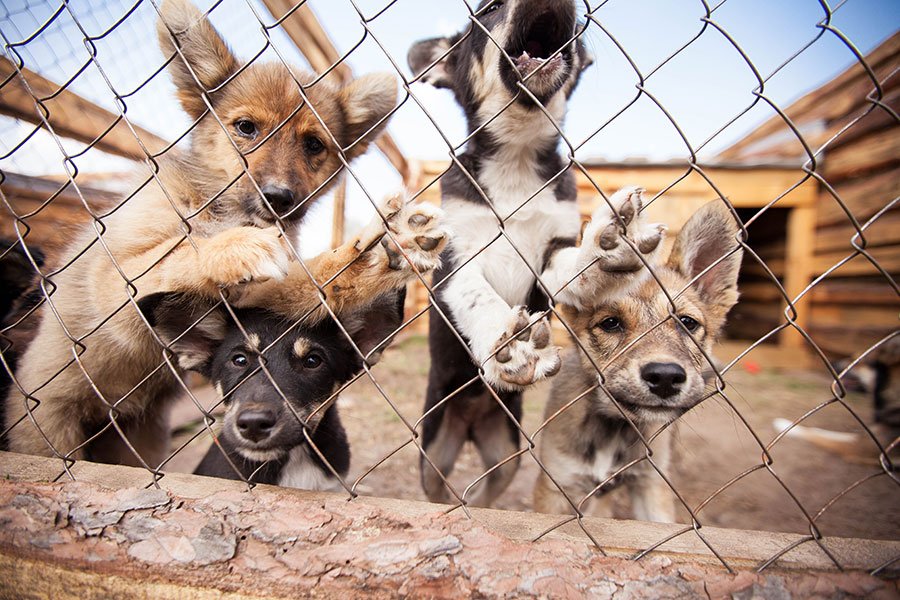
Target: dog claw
(395, 259)
(540, 335)
(608, 239)
(649, 244)
(628, 210)
(427, 243)
(418, 220)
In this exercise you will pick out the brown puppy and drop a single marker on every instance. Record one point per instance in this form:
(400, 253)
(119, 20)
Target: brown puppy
(206, 223)
(652, 364)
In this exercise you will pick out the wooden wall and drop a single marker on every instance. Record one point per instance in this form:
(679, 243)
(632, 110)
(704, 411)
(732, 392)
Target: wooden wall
(855, 305)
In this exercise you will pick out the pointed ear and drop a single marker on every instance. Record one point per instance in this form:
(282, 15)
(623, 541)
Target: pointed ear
(585, 58)
(425, 52)
(209, 61)
(708, 236)
(366, 102)
(193, 329)
(372, 327)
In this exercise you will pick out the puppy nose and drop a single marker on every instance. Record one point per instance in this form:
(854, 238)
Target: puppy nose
(663, 379)
(280, 199)
(256, 425)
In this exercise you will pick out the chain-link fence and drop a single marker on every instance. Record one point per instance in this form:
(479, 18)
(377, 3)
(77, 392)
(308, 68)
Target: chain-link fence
(139, 244)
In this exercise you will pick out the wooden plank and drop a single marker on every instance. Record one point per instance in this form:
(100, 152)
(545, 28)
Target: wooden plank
(338, 216)
(858, 290)
(847, 339)
(826, 103)
(307, 33)
(855, 315)
(864, 197)
(71, 115)
(887, 256)
(885, 230)
(875, 151)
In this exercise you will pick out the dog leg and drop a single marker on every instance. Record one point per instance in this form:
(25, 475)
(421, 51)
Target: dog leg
(549, 499)
(494, 437)
(604, 264)
(442, 450)
(651, 499)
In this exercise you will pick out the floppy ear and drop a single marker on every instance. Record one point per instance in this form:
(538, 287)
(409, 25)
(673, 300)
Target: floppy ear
(370, 326)
(204, 49)
(189, 326)
(424, 53)
(365, 102)
(708, 236)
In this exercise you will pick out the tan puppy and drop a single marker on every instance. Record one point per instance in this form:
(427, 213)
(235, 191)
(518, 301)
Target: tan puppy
(652, 365)
(94, 371)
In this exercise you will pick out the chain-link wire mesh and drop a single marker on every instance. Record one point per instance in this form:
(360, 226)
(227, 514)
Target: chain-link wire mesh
(810, 193)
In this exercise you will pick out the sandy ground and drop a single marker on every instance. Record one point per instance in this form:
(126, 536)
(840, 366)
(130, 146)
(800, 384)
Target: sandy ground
(713, 447)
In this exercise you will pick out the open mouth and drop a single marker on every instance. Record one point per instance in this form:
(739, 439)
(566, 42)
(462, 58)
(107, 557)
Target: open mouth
(537, 44)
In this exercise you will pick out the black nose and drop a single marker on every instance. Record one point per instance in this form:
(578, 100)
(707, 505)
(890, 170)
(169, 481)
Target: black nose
(280, 199)
(256, 425)
(663, 379)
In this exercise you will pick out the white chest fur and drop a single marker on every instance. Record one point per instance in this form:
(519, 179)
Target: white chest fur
(303, 473)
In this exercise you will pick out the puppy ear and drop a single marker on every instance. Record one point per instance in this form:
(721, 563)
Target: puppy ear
(708, 236)
(585, 58)
(366, 102)
(372, 327)
(209, 60)
(425, 52)
(192, 329)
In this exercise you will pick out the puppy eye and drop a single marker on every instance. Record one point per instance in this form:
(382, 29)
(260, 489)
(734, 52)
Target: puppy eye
(313, 145)
(611, 324)
(312, 361)
(493, 7)
(246, 128)
(689, 323)
(239, 360)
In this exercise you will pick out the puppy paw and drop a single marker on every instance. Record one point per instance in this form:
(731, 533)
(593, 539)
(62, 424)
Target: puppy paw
(243, 255)
(418, 235)
(603, 236)
(523, 353)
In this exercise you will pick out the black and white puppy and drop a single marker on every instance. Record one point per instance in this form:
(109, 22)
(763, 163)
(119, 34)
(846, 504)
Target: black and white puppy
(512, 70)
(278, 381)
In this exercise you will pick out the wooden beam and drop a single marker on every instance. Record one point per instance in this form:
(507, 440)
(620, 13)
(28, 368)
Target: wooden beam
(339, 215)
(313, 42)
(69, 114)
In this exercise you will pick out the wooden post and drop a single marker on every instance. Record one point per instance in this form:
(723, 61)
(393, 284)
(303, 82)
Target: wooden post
(801, 229)
(338, 217)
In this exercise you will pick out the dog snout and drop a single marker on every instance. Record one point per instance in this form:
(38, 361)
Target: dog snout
(280, 199)
(663, 379)
(256, 425)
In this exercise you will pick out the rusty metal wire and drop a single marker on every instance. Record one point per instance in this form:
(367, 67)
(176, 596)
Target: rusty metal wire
(81, 67)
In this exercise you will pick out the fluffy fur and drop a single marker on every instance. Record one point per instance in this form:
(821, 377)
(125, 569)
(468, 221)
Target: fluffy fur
(521, 51)
(258, 158)
(651, 364)
(281, 418)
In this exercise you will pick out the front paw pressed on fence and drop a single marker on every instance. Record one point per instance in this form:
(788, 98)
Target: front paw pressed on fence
(523, 353)
(244, 255)
(603, 236)
(417, 234)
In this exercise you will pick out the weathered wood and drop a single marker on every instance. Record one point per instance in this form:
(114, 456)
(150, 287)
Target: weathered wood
(864, 196)
(885, 230)
(307, 33)
(859, 291)
(338, 217)
(875, 151)
(887, 256)
(828, 102)
(71, 115)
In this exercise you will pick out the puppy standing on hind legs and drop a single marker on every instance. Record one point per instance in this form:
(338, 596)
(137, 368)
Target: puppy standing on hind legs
(654, 381)
(259, 136)
(486, 285)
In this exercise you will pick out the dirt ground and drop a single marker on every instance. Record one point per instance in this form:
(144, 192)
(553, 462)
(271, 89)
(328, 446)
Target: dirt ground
(713, 446)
